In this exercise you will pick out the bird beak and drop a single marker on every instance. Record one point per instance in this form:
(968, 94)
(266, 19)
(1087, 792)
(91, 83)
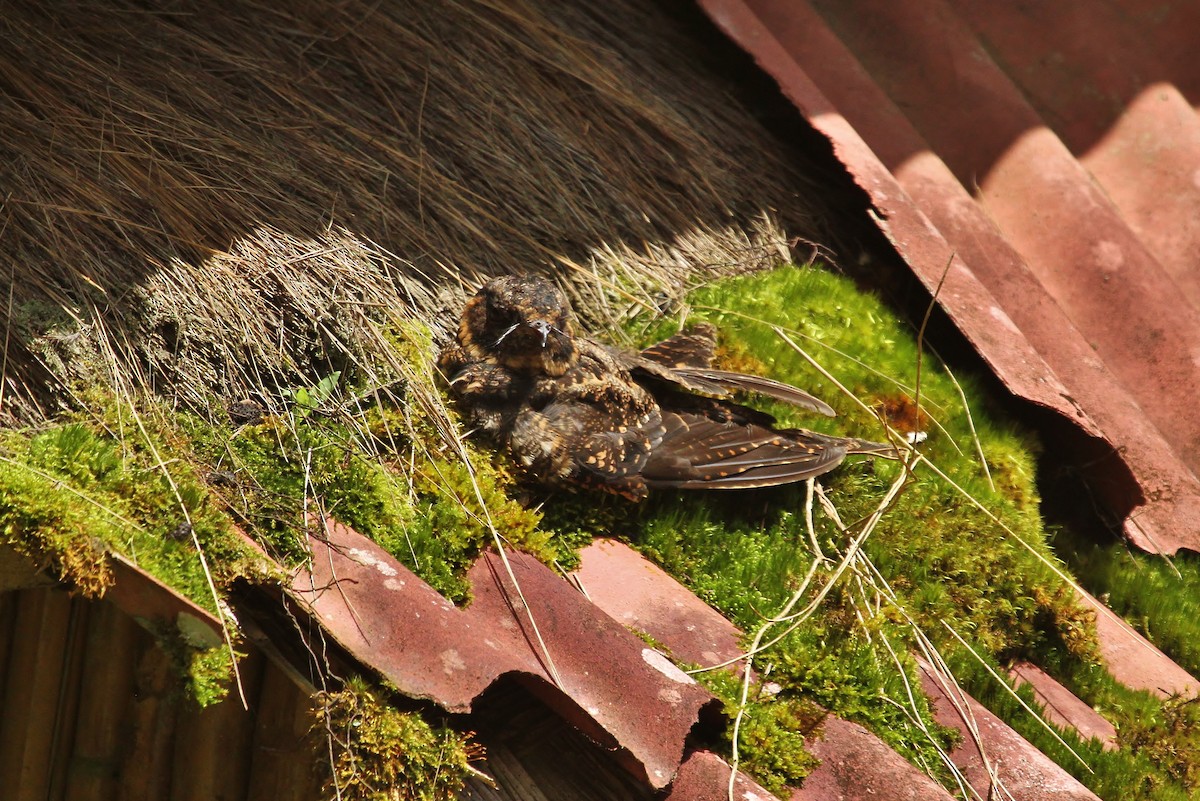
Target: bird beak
(542, 327)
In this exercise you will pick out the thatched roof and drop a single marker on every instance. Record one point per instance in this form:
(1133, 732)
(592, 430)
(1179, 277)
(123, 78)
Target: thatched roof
(218, 199)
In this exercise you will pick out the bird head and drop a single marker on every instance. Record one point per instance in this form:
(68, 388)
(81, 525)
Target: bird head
(521, 322)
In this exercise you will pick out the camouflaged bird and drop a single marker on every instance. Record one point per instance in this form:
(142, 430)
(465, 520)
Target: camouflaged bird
(573, 411)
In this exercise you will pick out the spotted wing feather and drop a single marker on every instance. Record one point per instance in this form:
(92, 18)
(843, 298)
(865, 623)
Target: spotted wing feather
(696, 347)
(685, 361)
(741, 382)
(699, 452)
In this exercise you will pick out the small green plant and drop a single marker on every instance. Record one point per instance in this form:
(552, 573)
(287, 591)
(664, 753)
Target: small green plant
(309, 399)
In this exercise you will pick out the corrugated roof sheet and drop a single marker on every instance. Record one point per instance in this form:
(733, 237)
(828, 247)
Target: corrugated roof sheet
(1050, 155)
(587, 667)
(855, 763)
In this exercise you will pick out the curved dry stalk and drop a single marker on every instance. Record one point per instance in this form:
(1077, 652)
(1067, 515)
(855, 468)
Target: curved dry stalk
(756, 646)
(883, 590)
(912, 712)
(796, 619)
(987, 472)
(809, 523)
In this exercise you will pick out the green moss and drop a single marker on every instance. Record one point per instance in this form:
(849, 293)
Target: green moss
(284, 473)
(202, 671)
(281, 473)
(42, 517)
(772, 732)
(380, 753)
(1170, 739)
(946, 561)
(73, 490)
(383, 470)
(208, 675)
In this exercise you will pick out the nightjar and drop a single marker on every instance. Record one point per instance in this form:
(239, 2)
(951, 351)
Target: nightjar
(573, 411)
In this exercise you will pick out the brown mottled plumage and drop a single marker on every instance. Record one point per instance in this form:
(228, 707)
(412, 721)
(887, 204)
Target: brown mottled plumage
(574, 411)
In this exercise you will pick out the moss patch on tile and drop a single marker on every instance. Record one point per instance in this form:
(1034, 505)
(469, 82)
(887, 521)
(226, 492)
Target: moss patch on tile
(377, 465)
(115, 480)
(934, 561)
(380, 752)
(772, 732)
(108, 481)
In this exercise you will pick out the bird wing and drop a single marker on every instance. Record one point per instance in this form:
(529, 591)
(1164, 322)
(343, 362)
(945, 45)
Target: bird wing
(701, 453)
(721, 384)
(743, 382)
(606, 423)
(696, 347)
(684, 361)
(661, 363)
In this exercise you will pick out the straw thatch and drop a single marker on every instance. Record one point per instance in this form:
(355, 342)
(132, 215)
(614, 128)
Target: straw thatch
(215, 199)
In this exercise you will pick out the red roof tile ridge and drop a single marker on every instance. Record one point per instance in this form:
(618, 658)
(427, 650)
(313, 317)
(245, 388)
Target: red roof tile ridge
(704, 776)
(613, 687)
(968, 302)
(1062, 707)
(1135, 661)
(1024, 299)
